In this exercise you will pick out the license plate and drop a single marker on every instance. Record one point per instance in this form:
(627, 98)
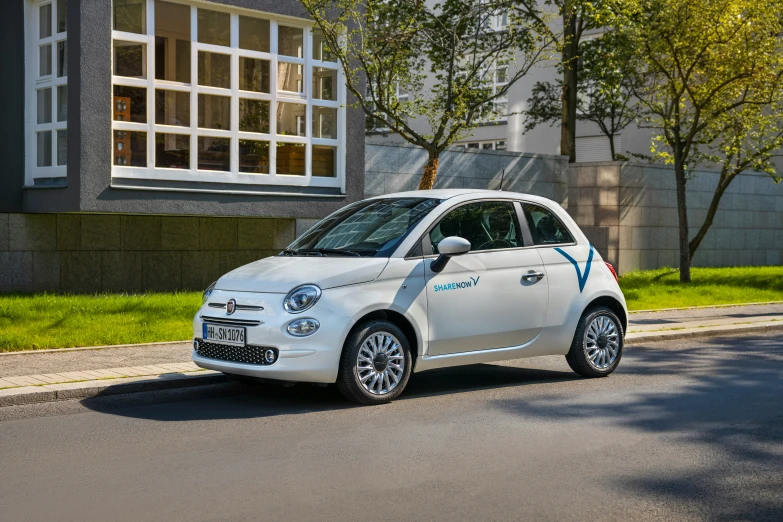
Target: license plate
(224, 334)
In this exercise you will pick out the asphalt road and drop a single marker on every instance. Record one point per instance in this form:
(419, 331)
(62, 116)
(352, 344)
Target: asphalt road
(683, 430)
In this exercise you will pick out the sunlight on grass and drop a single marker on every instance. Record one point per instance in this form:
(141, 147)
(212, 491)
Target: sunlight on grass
(29, 322)
(652, 289)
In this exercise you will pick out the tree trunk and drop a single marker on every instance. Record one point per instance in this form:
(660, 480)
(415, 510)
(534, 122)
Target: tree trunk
(569, 98)
(682, 214)
(430, 171)
(611, 146)
(723, 184)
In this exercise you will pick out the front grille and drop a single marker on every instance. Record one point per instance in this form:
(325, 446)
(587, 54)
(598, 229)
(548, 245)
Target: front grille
(229, 321)
(238, 354)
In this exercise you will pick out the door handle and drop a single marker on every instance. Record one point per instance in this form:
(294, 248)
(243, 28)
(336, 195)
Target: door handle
(533, 276)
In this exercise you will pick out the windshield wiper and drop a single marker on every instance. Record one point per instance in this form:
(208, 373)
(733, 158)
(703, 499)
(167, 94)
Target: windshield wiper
(328, 251)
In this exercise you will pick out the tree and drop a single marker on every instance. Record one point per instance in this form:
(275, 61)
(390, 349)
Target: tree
(394, 44)
(708, 75)
(576, 17)
(603, 91)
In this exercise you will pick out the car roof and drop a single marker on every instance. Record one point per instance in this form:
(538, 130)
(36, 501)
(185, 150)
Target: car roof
(452, 193)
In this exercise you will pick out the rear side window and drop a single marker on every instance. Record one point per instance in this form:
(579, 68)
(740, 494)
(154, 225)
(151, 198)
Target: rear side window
(545, 227)
(488, 225)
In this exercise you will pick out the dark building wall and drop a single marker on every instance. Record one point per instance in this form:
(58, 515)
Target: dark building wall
(12, 95)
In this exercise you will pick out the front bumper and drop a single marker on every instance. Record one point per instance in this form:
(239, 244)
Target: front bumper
(314, 358)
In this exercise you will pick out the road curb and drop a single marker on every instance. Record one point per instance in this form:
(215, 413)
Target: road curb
(89, 389)
(708, 331)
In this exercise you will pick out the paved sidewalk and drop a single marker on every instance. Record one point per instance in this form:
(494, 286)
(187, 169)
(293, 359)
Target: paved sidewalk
(36, 377)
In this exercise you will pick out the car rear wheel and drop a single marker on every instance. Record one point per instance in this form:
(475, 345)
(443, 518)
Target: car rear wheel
(598, 343)
(375, 364)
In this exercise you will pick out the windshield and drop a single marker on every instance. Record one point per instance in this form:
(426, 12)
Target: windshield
(372, 228)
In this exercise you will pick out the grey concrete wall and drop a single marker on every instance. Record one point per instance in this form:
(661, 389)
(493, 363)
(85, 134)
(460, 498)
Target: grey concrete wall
(86, 253)
(397, 167)
(629, 212)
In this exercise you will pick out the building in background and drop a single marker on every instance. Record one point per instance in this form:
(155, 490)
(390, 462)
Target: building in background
(133, 125)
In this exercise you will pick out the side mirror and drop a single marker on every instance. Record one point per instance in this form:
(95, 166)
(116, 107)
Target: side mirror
(449, 247)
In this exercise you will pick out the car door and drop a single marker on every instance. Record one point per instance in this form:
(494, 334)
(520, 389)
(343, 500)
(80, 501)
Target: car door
(489, 297)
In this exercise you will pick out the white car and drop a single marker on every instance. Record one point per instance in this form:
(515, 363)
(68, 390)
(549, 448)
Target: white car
(412, 281)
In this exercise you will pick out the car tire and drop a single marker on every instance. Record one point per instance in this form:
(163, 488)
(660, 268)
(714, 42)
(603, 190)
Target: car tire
(358, 376)
(598, 337)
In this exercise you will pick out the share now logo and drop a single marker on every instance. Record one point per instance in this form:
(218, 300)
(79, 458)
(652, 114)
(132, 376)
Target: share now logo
(458, 285)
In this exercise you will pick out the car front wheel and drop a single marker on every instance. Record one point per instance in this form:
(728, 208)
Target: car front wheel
(375, 364)
(598, 343)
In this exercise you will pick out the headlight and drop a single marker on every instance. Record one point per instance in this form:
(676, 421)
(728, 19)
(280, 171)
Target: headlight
(207, 292)
(303, 327)
(301, 298)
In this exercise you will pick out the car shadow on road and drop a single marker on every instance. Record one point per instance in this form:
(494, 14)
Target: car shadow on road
(242, 400)
(730, 404)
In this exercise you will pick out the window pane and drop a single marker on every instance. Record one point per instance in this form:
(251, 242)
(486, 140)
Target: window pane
(214, 112)
(290, 159)
(130, 104)
(324, 84)
(325, 123)
(320, 48)
(62, 103)
(254, 34)
(130, 16)
(214, 70)
(44, 105)
(289, 77)
(253, 116)
(213, 153)
(490, 225)
(130, 149)
(172, 108)
(500, 145)
(44, 149)
(254, 156)
(214, 28)
(289, 41)
(254, 75)
(45, 60)
(62, 59)
(486, 146)
(130, 59)
(291, 119)
(545, 227)
(62, 147)
(45, 21)
(172, 151)
(62, 15)
(172, 42)
(324, 161)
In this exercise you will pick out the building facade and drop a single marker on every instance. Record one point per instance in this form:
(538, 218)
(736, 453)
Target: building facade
(134, 126)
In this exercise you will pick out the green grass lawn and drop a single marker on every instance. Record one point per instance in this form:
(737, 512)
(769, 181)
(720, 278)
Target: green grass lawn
(652, 289)
(62, 321)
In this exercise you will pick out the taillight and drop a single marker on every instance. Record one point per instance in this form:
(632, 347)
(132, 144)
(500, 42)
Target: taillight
(612, 270)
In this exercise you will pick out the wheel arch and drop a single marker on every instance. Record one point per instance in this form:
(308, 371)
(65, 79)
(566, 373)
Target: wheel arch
(614, 305)
(398, 320)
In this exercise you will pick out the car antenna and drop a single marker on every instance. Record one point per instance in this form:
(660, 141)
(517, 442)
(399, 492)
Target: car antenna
(502, 175)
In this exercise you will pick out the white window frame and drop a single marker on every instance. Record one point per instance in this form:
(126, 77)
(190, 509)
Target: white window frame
(34, 83)
(233, 175)
(482, 145)
(402, 96)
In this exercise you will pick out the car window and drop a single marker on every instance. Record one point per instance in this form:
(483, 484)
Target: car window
(488, 225)
(545, 227)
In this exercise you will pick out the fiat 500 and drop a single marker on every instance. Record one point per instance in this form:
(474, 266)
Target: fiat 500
(413, 281)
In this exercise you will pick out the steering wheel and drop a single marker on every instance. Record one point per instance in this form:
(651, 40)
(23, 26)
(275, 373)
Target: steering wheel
(495, 244)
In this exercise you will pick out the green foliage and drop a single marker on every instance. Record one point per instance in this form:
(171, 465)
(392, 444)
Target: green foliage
(653, 289)
(42, 321)
(437, 54)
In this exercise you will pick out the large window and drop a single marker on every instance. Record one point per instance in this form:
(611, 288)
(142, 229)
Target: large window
(47, 93)
(206, 93)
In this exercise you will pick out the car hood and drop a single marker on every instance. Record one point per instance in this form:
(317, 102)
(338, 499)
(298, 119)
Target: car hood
(281, 274)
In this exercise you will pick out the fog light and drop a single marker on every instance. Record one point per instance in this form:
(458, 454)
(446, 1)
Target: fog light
(270, 356)
(195, 345)
(303, 327)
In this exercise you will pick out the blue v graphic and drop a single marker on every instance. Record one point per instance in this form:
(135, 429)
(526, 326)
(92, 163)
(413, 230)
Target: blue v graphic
(475, 281)
(582, 278)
